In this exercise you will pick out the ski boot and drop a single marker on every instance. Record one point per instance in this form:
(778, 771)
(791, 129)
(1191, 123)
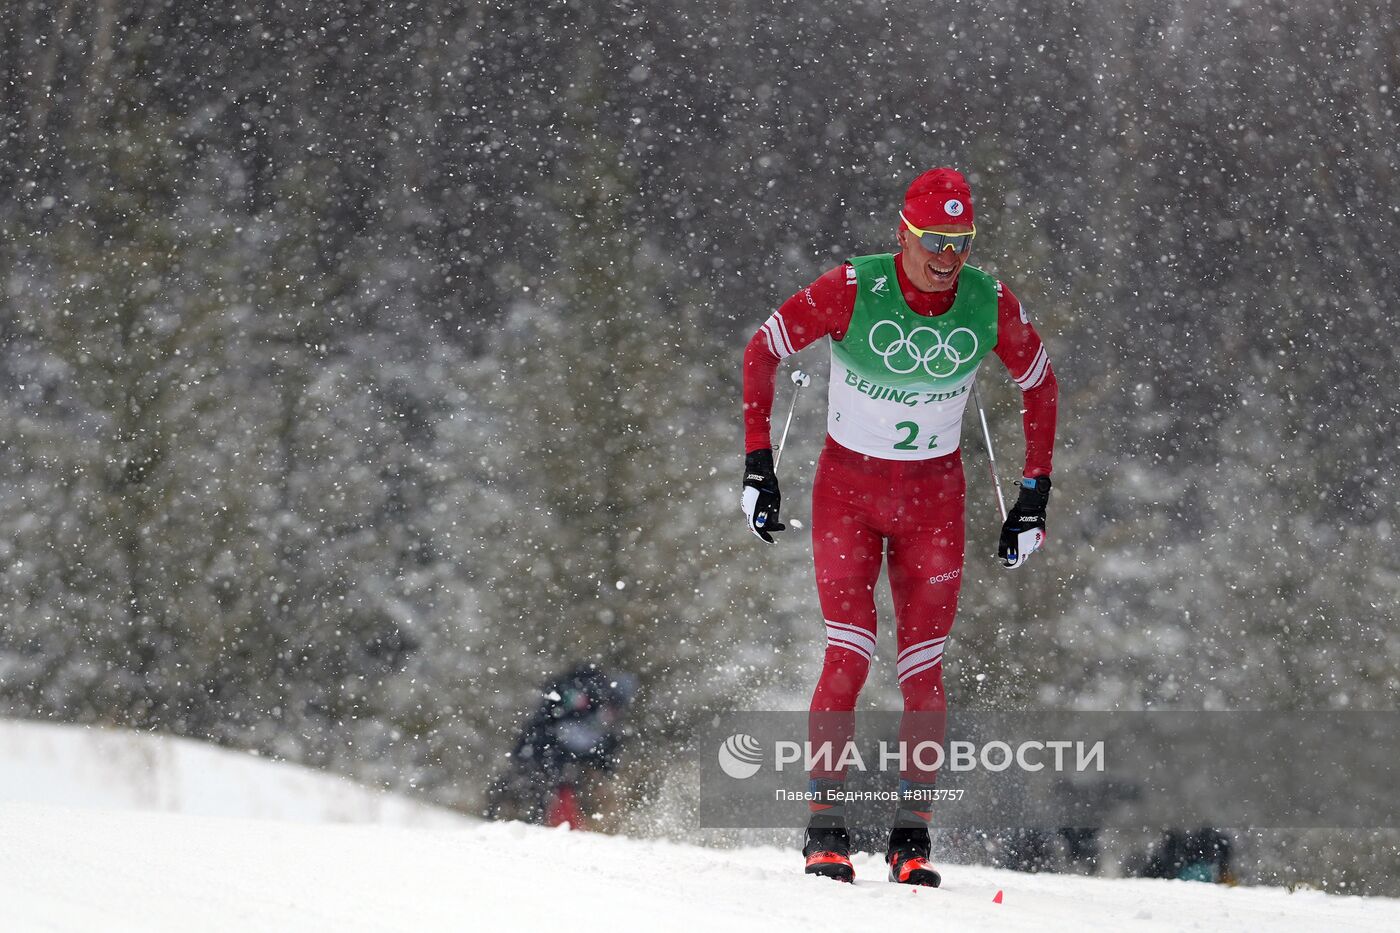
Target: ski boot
(828, 853)
(907, 857)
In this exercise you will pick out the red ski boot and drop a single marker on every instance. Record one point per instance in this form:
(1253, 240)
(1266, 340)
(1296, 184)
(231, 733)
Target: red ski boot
(907, 857)
(828, 853)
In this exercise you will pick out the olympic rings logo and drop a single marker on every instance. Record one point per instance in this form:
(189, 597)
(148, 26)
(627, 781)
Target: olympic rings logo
(904, 354)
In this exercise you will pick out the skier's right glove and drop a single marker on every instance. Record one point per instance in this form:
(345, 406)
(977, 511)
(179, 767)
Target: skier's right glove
(761, 496)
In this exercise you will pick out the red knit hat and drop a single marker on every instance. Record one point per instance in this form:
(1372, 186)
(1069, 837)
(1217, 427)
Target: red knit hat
(939, 199)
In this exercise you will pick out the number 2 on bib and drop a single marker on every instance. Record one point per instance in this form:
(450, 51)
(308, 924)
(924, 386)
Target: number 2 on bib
(911, 434)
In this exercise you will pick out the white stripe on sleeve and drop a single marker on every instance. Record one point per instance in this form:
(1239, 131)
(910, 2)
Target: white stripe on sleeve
(775, 339)
(781, 327)
(768, 338)
(1035, 374)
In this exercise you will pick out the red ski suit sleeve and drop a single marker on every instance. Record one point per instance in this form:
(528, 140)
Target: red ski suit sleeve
(823, 309)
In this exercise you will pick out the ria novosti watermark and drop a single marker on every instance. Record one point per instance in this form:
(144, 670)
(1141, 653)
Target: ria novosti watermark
(1060, 769)
(740, 756)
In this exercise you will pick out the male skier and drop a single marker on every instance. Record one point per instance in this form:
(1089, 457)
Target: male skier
(908, 332)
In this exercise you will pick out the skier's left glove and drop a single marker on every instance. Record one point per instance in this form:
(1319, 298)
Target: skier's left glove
(761, 496)
(1024, 530)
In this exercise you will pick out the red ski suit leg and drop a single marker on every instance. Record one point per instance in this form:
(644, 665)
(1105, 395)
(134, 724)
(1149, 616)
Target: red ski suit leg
(865, 509)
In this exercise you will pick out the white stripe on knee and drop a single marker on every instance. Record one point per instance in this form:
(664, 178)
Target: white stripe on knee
(918, 658)
(851, 637)
(921, 646)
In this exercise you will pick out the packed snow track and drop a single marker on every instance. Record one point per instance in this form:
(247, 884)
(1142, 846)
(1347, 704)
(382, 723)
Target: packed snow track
(81, 870)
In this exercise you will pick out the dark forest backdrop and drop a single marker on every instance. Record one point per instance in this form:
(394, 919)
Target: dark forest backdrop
(364, 364)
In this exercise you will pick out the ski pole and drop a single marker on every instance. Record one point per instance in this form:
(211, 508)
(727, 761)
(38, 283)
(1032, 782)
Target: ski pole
(799, 379)
(991, 457)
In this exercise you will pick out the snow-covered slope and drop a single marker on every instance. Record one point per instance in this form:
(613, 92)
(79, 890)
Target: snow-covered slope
(58, 764)
(109, 865)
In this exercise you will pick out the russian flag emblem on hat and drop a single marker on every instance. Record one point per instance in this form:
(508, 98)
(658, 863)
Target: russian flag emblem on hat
(939, 199)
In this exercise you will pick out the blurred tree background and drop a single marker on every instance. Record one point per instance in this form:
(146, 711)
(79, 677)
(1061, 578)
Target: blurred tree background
(364, 365)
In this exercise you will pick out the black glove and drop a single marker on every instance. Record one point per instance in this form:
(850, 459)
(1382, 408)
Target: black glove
(1024, 531)
(761, 496)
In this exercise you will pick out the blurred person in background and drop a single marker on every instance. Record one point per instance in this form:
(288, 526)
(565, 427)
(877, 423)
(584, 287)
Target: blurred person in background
(561, 768)
(1203, 855)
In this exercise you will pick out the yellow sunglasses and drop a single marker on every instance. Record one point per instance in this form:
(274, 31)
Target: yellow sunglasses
(936, 242)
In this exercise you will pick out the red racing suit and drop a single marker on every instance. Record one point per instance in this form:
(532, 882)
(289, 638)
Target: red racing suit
(865, 508)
